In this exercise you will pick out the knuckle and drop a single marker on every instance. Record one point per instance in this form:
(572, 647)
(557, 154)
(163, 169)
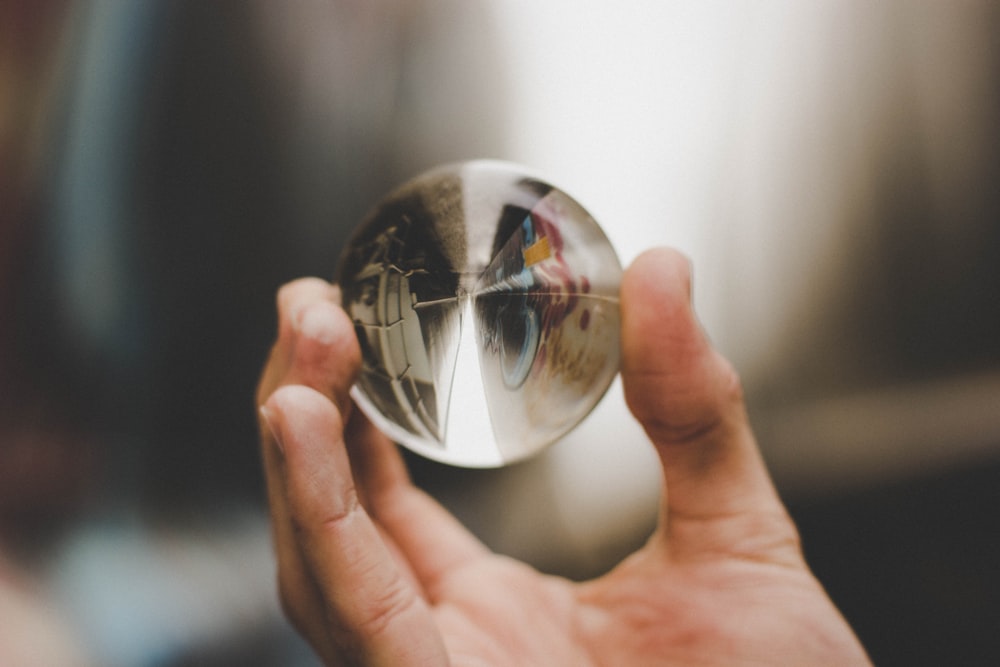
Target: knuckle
(672, 416)
(729, 380)
(676, 412)
(395, 600)
(311, 526)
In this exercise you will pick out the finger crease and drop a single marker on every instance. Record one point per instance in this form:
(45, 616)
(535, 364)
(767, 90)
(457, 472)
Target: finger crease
(397, 599)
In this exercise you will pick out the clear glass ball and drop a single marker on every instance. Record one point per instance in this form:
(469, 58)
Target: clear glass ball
(486, 305)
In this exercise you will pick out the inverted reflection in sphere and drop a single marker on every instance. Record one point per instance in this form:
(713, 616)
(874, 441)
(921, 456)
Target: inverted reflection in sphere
(486, 305)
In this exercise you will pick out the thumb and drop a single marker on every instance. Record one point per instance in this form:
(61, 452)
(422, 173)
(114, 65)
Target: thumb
(687, 398)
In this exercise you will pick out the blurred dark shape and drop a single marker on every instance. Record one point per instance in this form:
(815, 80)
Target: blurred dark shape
(912, 564)
(171, 164)
(44, 465)
(196, 169)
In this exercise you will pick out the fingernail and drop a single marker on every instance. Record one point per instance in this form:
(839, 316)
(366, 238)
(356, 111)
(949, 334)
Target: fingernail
(268, 417)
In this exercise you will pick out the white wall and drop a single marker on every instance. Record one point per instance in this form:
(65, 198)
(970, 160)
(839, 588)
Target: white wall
(753, 135)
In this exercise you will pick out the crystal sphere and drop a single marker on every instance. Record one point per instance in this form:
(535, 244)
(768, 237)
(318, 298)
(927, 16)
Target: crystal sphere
(486, 305)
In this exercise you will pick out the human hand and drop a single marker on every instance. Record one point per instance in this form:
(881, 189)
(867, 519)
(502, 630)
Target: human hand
(374, 572)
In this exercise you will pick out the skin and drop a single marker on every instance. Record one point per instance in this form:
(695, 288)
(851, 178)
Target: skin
(372, 571)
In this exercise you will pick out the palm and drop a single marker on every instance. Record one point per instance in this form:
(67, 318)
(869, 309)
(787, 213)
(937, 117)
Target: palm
(649, 610)
(375, 572)
(498, 611)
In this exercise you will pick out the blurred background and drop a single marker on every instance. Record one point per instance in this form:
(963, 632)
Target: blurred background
(831, 168)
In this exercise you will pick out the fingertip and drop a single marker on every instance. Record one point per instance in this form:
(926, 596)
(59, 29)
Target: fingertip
(295, 403)
(658, 322)
(309, 287)
(293, 297)
(305, 423)
(326, 354)
(321, 321)
(659, 270)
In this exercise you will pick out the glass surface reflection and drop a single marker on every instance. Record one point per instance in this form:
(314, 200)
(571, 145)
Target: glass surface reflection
(486, 305)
